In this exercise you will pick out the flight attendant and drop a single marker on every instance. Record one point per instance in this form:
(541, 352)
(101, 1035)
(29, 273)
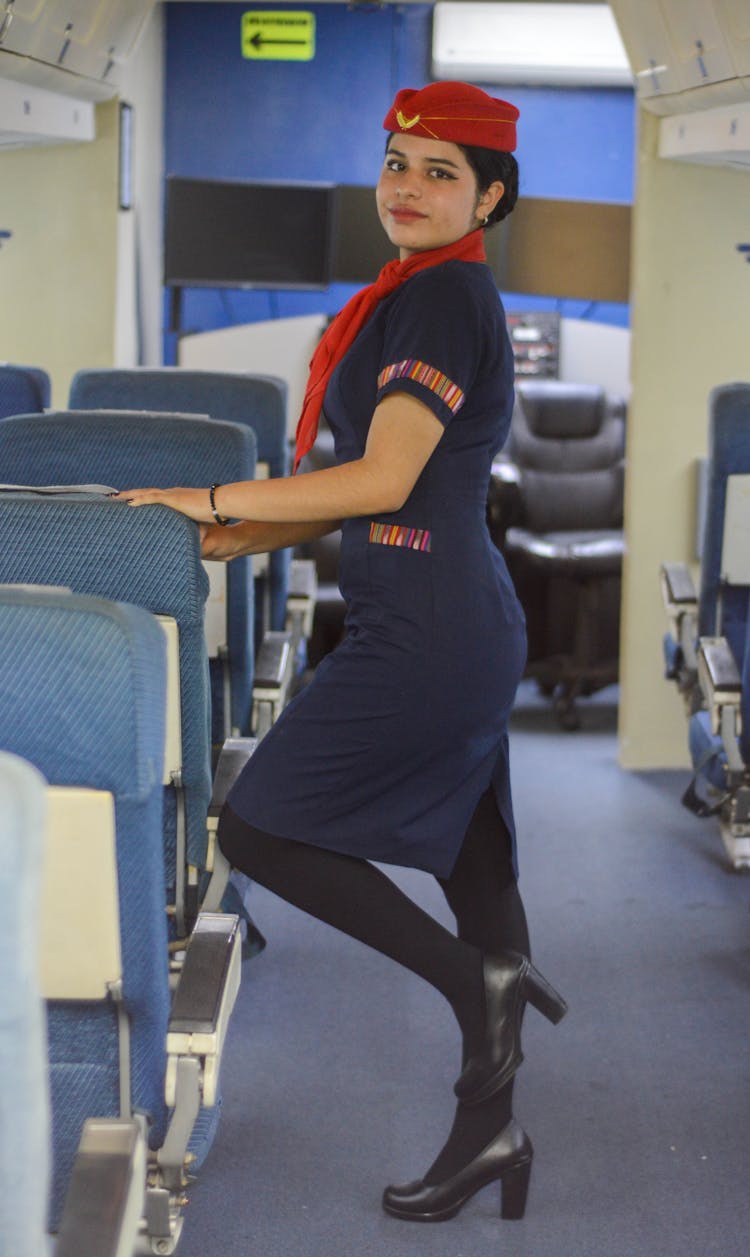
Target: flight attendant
(397, 751)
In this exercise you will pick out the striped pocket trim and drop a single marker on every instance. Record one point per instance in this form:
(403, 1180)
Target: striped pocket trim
(401, 535)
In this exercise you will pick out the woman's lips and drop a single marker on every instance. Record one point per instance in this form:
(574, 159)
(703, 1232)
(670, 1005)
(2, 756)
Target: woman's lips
(405, 215)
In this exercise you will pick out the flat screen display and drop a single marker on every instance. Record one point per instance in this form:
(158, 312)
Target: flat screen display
(222, 233)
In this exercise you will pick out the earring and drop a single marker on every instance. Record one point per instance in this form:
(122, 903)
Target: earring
(485, 220)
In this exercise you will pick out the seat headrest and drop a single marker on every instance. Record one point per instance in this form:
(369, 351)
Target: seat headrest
(556, 410)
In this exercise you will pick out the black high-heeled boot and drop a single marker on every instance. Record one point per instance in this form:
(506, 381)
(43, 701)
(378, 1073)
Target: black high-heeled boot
(510, 981)
(506, 1159)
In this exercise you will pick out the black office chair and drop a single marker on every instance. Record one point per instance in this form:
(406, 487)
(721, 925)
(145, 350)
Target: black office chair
(562, 472)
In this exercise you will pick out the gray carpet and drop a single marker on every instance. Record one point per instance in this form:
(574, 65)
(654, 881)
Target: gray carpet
(339, 1066)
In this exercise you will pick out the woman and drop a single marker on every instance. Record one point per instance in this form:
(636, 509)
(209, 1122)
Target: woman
(397, 751)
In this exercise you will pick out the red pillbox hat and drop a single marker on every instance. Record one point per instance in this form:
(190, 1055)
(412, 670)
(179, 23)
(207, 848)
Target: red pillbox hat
(454, 111)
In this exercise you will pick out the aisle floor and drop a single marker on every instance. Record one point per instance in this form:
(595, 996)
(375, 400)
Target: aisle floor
(339, 1065)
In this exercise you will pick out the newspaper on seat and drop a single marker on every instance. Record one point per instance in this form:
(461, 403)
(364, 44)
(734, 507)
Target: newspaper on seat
(60, 490)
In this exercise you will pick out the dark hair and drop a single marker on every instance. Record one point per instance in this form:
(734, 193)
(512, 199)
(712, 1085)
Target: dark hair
(491, 165)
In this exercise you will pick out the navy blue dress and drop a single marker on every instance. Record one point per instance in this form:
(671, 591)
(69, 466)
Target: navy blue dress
(386, 753)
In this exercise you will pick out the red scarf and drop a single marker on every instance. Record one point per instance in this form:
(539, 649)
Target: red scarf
(352, 318)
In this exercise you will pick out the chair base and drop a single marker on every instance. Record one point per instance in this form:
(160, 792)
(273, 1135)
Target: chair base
(566, 679)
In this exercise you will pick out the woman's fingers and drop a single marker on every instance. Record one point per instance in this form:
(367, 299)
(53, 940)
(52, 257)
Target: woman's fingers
(140, 497)
(191, 502)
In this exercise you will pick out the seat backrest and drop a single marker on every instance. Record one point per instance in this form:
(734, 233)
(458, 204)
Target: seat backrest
(130, 450)
(22, 389)
(723, 607)
(82, 696)
(568, 442)
(259, 401)
(150, 557)
(24, 1094)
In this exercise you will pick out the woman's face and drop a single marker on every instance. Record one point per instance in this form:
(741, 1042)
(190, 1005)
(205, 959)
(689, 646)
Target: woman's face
(427, 194)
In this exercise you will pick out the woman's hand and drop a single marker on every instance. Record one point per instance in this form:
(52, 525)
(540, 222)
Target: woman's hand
(219, 542)
(254, 537)
(191, 502)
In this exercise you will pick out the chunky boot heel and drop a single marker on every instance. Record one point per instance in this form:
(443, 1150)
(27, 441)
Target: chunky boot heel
(515, 1189)
(546, 1000)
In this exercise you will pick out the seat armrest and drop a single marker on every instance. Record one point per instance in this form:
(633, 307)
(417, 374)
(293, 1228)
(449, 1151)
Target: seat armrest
(678, 587)
(272, 661)
(234, 755)
(204, 1000)
(719, 675)
(505, 471)
(273, 675)
(721, 684)
(105, 1198)
(300, 599)
(302, 579)
(681, 605)
(504, 500)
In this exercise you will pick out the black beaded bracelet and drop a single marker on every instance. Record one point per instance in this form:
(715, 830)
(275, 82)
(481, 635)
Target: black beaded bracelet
(212, 503)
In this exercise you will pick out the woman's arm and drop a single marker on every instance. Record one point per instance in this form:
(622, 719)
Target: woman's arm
(402, 436)
(251, 537)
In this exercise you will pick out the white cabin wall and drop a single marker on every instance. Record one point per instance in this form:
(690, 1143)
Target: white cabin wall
(139, 285)
(690, 317)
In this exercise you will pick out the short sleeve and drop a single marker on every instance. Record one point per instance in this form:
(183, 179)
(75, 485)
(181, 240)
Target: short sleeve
(436, 339)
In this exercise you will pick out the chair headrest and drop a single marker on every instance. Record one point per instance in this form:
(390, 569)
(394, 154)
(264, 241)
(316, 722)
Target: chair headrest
(556, 410)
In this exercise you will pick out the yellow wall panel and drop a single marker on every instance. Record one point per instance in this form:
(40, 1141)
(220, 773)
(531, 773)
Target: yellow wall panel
(58, 271)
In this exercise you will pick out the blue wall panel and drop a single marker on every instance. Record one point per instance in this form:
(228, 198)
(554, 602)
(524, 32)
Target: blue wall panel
(229, 117)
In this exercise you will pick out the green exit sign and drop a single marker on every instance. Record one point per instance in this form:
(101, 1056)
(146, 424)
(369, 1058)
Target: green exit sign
(280, 35)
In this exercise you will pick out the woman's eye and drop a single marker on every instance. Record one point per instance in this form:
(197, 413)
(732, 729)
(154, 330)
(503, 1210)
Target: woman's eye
(437, 172)
(394, 164)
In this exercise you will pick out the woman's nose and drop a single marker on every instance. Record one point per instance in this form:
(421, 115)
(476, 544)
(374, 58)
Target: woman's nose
(407, 185)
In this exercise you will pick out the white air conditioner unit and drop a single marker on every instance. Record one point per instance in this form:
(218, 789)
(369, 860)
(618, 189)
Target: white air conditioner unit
(563, 45)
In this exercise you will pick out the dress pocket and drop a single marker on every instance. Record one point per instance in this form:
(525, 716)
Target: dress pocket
(402, 535)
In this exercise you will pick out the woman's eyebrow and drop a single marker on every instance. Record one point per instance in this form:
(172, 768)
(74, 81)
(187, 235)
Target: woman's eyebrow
(428, 161)
(441, 161)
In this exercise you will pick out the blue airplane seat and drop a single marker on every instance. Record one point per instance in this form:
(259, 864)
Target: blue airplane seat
(706, 650)
(24, 1092)
(723, 605)
(23, 390)
(83, 699)
(127, 450)
(150, 557)
(718, 607)
(259, 401)
(83, 687)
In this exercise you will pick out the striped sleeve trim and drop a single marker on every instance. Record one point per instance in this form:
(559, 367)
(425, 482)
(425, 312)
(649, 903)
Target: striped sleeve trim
(430, 377)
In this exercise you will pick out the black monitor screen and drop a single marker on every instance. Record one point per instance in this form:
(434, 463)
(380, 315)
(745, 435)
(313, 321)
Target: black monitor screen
(362, 246)
(262, 235)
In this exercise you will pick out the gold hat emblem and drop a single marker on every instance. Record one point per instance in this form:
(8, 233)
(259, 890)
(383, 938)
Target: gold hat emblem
(405, 123)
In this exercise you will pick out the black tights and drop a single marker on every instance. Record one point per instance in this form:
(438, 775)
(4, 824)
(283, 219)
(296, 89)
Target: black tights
(357, 898)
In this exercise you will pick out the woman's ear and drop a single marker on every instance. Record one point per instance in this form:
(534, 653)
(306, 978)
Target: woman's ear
(489, 199)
